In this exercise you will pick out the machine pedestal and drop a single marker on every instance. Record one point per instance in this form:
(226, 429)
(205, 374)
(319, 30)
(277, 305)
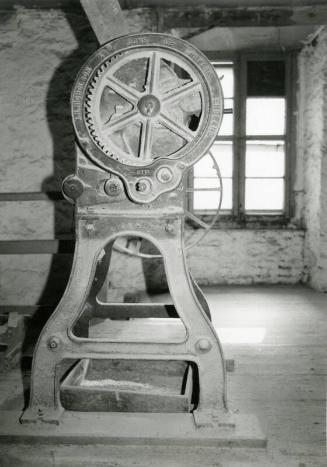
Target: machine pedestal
(170, 429)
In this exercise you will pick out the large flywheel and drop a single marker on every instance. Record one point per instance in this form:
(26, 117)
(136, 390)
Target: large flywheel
(147, 107)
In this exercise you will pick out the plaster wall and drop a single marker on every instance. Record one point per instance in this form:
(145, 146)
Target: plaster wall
(40, 54)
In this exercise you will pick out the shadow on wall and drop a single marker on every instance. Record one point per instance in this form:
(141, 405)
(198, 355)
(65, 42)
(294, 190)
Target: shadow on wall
(63, 139)
(62, 132)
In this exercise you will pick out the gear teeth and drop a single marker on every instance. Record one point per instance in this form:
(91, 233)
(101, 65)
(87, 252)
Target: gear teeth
(89, 98)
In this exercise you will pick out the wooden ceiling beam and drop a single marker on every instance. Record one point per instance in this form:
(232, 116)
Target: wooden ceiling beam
(208, 18)
(106, 18)
(215, 3)
(299, 13)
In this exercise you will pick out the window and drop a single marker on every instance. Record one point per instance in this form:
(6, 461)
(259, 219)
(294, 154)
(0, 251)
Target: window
(252, 147)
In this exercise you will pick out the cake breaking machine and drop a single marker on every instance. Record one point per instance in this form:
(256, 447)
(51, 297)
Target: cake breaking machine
(145, 108)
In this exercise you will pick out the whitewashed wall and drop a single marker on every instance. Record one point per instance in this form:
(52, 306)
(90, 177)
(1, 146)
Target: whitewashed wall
(40, 53)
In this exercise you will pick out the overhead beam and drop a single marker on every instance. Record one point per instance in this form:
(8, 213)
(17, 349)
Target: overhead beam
(214, 3)
(207, 18)
(187, 4)
(106, 18)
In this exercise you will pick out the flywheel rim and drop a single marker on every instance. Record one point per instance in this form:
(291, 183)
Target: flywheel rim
(116, 48)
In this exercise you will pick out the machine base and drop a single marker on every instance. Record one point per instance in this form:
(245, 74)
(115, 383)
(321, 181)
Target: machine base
(171, 429)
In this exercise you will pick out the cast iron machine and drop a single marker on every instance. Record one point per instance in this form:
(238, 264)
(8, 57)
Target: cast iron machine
(145, 109)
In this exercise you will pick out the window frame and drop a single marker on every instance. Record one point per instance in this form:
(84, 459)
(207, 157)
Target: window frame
(237, 217)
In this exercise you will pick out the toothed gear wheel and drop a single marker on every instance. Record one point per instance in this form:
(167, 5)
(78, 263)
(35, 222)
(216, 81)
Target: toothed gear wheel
(145, 98)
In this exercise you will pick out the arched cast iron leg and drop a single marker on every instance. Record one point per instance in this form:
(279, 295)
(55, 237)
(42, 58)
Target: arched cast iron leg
(200, 297)
(101, 274)
(203, 341)
(45, 391)
(90, 305)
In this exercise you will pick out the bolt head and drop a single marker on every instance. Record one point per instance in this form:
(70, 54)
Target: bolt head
(90, 226)
(53, 343)
(203, 345)
(164, 175)
(72, 187)
(170, 228)
(143, 186)
(113, 187)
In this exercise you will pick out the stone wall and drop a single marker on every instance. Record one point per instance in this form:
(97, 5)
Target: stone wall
(40, 53)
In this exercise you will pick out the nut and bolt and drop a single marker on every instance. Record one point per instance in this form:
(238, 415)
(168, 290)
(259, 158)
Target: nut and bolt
(203, 344)
(164, 175)
(72, 187)
(170, 228)
(143, 185)
(53, 343)
(89, 226)
(113, 187)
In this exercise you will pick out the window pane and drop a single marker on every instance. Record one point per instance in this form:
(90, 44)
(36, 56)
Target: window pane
(226, 77)
(265, 159)
(227, 124)
(266, 78)
(265, 116)
(205, 167)
(223, 153)
(206, 183)
(227, 202)
(208, 200)
(264, 194)
(205, 200)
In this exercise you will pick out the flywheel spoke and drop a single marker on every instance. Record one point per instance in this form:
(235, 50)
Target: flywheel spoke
(197, 220)
(146, 140)
(206, 227)
(193, 190)
(120, 122)
(180, 92)
(154, 74)
(177, 128)
(125, 91)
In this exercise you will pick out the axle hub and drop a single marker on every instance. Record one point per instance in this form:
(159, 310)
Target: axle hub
(149, 105)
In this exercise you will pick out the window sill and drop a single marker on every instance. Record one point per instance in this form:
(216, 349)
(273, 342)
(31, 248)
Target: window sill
(249, 222)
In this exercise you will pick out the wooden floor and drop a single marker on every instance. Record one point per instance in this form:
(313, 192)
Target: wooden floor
(280, 375)
(277, 337)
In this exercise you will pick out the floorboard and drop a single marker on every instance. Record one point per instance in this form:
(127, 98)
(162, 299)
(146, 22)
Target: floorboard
(277, 337)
